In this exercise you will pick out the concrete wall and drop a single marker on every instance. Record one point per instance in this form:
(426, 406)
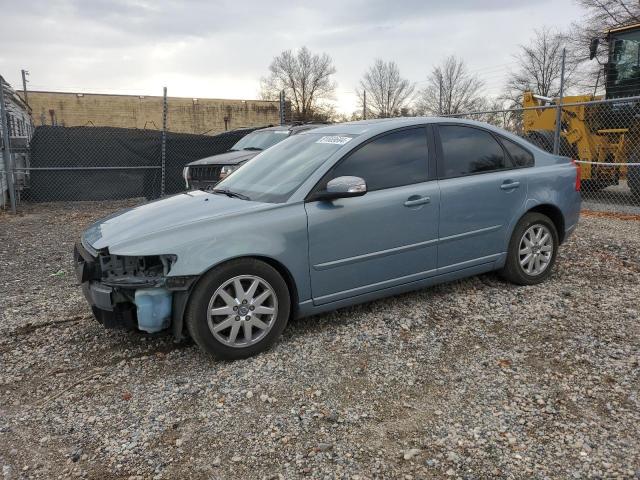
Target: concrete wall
(187, 115)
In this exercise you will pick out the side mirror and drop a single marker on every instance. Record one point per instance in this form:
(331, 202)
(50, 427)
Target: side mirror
(593, 48)
(343, 187)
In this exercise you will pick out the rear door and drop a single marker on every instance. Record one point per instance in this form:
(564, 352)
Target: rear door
(387, 236)
(481, 194)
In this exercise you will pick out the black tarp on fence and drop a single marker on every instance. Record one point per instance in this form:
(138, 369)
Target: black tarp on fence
(106, 163)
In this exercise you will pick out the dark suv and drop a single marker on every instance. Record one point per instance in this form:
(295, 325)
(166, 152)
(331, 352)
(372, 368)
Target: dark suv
(208, 171)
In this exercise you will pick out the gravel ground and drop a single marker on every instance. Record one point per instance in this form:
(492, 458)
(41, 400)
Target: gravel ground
(471, 379)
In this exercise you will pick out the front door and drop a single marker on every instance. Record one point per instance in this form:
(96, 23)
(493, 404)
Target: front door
(384, 238)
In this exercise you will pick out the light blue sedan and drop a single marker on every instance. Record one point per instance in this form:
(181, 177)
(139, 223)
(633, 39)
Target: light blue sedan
(328, 218)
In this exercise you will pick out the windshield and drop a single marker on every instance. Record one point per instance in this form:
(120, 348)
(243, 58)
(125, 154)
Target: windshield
(624, 68)
(275, 174)
(260, 140)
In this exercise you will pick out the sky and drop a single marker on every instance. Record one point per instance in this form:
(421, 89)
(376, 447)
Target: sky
(221, 48)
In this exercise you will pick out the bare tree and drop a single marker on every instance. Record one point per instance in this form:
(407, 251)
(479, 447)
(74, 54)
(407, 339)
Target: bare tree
(605, 14)
(600, 16)
(539, 67)
(306, 79)
(386, 91)
(451, 89)
(347, 117)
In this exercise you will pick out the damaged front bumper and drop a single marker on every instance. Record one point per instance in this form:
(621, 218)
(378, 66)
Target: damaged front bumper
(132, 292)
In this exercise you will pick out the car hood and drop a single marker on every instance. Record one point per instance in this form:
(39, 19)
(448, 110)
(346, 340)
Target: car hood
(124, 228)
(227, 158)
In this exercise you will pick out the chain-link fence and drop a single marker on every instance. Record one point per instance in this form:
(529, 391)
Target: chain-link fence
(603, 136)
(54, 163)
(58, 163)
(106, 163)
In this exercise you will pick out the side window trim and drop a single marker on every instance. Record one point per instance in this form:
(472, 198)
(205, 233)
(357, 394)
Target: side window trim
(432, 153)
(429, 155)
(440, 153)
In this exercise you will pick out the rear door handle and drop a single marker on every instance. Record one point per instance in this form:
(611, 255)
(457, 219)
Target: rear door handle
(509, 185)
(415, 200)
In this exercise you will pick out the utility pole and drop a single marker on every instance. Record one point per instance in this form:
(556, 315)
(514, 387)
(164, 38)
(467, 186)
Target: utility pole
(556, 137)
(364, 104)
(24, 85)
(163, 144)
(440, 95)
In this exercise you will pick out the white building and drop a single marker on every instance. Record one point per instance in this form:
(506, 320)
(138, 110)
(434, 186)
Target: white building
(20, 129)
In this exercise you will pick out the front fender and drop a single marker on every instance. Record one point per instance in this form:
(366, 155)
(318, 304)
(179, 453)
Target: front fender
(278, 232)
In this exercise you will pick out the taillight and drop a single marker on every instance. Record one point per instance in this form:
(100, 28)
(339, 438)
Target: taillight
(578, 174)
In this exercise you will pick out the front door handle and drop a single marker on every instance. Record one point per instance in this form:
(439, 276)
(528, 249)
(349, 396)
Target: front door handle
(509, 185)
(415, 200)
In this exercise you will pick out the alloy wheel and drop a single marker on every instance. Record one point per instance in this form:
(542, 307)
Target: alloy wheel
(242, 311)
(535, 250)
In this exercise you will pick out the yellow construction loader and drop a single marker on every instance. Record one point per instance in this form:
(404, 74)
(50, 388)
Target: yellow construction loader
(601, 132)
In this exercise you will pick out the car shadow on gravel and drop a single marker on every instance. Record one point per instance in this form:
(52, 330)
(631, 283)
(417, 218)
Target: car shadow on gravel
(394, 305)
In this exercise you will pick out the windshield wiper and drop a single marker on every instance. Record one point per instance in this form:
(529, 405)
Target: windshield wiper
(229, 193)
(256, 149)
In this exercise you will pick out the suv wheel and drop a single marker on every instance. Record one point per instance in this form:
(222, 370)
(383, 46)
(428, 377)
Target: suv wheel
(532, 250)
(238, 309)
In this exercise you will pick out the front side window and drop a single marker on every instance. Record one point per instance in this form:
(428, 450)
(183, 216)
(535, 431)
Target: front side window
(519, 156)
(468, 150)
(393, 160)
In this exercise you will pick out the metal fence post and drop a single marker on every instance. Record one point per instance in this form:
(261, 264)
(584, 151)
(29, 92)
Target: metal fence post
(6, 153)
(440, 95)
(24, 86)
(364, 104)
(163, 154)
(282, 107)
(556, 136)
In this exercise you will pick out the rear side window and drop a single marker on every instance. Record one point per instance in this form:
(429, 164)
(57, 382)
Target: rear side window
(520, 157)
(468, 150)
(396, 159)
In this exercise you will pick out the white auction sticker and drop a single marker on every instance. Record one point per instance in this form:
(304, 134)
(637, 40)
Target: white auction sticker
(281, 132)
(335, 139)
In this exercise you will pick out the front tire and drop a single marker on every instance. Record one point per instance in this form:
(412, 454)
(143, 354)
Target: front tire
(532, 250)
(238, 309)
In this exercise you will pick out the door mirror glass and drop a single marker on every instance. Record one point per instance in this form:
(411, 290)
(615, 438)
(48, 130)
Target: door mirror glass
(343, 187)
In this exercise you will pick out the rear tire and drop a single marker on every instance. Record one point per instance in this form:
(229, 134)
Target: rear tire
(532, 250)
(238, 309)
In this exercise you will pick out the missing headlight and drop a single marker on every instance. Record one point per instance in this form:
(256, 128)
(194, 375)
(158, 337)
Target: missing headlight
(120, 268)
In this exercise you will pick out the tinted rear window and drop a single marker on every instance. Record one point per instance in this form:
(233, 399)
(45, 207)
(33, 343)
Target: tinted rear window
(468, 150)
(261, 140)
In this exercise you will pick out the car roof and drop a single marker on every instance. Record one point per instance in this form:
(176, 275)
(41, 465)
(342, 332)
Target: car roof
(306, 126)
(291, 127)
(381, 125)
